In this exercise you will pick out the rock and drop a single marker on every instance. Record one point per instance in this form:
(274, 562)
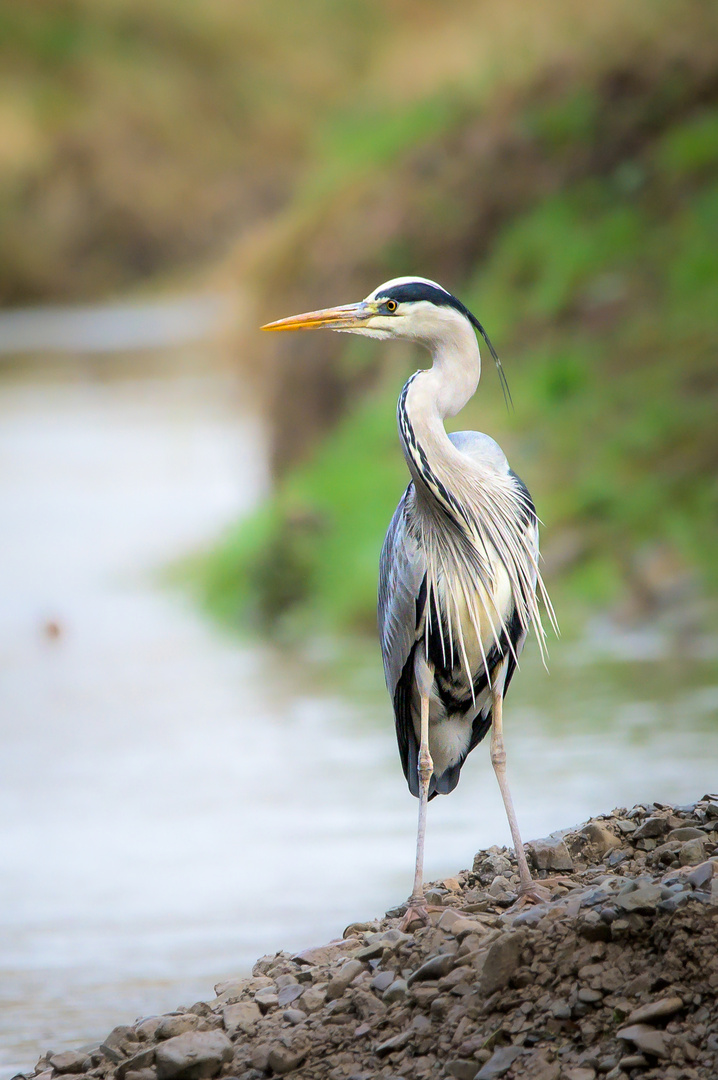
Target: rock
(433, 968)
(701, 875)
(395, 992)
(600, 837)
(462, 1070)
(313, 998)
(324, 954)
(651, 828)
(643, 899)
(146, 1031)
(289, 993)
(346, 975)
(241, 1017)
(141, 1074)
(294, 1016)
(119, 1044)
(490, 866)
(143, 1060)
(382, 980)
(260, 1057)
(282, 1059)
(645, 1038)
(655, 1010)
(550, 853)
(632, 1061)
(193, 1056)
(169, 1026)
(266, 998)
(687, 832)
(70, 1061)
(499, 1063)
(692, 853)
(397, 1042)
(501, 961)
(580, 1073)
(588, 996)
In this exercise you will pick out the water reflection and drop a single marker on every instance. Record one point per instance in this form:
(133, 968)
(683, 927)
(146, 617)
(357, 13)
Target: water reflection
(174, 805)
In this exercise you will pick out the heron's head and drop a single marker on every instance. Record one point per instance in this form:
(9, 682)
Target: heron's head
(412, 308)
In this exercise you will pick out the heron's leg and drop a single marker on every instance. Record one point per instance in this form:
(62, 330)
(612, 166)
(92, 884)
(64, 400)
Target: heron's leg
(528, 888)
(417, 901)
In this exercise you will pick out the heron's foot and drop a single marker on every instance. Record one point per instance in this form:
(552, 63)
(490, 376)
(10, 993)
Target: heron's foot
(416, 914)
(532, 893)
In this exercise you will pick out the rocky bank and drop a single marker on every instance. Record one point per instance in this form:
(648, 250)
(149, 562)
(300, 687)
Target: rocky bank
(616, 976)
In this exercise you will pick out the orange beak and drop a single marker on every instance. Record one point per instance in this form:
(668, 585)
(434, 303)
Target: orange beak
(336, 318)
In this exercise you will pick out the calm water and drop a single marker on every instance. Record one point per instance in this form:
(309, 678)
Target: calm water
(174, 804)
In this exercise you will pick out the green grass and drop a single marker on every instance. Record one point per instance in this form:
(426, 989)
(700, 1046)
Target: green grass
(602, 300)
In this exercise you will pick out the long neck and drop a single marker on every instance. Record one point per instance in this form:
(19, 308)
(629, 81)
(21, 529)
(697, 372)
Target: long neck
(430, 396)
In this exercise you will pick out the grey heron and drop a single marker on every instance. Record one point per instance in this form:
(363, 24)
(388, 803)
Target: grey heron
(459, 580)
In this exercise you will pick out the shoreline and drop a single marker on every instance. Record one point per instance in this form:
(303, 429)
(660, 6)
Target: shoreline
(616, 976)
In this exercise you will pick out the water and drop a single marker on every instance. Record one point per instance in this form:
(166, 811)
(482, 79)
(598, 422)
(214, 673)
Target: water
(174, 804)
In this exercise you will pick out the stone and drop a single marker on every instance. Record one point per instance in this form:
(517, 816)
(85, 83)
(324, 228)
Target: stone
(489, 866)
(294, 1016)
(499, 1063)
(687, 832)
(433, 968)
(550, 853)
(146, 1031)
(632, 1061)
(324, 954)
(462, 1070)
(266, 998)
(395, 992)
(141, 1074)
(259, 1056)
(501, 961)
(702, 874)
(382, 980)
(289, 993)
(169, 1026)
(312, 999)
(692, 853)
(241, 1017)
(655, 1010)
(643, 899)
(645, 1038)
(119, 1044)
(282, 1059)
(396, 1042)
(651, 828)
(193, 1056)
(601, 838)
(70, 1061)
(588, 996)
(580, 1073)
(143, 1060)
(344, 977)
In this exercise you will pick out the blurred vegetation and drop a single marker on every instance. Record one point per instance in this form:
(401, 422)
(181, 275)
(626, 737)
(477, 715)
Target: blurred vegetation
(555, 165)
(138, 139)
(575, 209)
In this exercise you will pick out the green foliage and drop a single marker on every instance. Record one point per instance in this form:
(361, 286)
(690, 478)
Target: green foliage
(603, 303)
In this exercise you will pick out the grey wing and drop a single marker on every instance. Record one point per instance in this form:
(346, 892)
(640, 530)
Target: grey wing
(401, 572)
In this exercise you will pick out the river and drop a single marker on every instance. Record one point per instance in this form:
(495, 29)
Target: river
(174, 803)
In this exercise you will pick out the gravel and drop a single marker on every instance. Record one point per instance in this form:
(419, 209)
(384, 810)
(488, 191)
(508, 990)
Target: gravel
(615, 976)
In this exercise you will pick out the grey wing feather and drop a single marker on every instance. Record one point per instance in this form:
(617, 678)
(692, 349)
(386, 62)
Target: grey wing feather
(401, 572)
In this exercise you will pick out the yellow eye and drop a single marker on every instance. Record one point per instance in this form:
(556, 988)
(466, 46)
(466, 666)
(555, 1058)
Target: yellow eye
(391, 305)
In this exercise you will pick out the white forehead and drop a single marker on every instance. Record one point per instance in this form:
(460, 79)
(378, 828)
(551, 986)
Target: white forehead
(409, 280)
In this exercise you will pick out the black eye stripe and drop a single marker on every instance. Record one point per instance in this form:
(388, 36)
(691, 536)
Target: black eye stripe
(418, 290)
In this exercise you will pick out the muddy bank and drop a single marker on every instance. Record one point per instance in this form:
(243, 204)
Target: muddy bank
(615, 976)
